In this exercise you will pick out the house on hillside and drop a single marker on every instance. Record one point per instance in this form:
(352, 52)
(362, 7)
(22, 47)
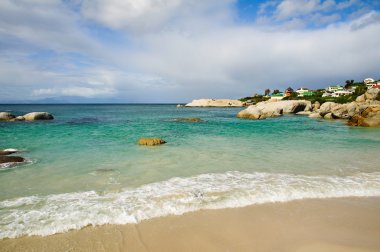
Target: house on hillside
(278, 96)
(334, 88)
(308, 93)
(288, 92)
(377, 85)
(339, 93)
(300, 92)
(368, 81)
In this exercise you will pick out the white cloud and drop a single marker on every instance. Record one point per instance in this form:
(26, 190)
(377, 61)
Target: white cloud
(73, 91)
(148, 15)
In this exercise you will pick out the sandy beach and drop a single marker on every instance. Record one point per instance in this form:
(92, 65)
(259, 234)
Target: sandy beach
(343, 224)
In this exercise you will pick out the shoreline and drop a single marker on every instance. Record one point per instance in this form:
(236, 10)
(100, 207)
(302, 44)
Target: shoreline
(335, 224)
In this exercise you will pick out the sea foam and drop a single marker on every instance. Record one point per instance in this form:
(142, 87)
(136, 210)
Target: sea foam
(46, 215)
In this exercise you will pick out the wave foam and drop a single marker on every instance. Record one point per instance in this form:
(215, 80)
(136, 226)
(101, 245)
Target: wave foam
(46, 215)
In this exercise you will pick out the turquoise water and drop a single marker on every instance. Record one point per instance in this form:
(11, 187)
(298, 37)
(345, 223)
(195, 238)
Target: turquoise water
(85, 167)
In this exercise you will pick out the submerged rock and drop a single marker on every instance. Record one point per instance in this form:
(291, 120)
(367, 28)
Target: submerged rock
(191, 119)
(215, 103)
(11, 159)
(151, 141)
(267, 109)
(6, 116)
(38, 116)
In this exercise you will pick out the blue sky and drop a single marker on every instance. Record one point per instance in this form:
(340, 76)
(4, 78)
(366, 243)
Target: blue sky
(178, 50)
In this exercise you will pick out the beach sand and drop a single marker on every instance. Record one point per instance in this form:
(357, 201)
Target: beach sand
(344, 224)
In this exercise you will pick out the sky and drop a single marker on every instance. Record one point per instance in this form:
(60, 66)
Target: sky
(174, 51)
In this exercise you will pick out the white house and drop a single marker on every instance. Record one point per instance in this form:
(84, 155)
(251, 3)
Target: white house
(341, 93)
(334, 88)
(368, 81)
(301, 91)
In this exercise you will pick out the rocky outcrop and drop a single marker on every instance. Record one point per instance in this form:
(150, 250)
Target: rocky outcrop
(370, 117)
(38, 116)
(11, 159)
(5, 116)
(267, 109)
(215, 103)
(151, 141)
(362, 112)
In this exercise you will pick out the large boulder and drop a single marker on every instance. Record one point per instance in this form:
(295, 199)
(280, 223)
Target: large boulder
(11, 159)
(370, 117)
(215, 103)
(327, 107)
(5, 116)
(316, 106)
(38, 116)
(267, 109)
(371, 93)
(151, 141)
(360, 98)
(315, 115)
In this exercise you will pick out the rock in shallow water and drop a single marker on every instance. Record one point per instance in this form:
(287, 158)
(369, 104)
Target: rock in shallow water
(11, 159)
(191, 119)
(151, 141)
(38, 116)
(6, 116)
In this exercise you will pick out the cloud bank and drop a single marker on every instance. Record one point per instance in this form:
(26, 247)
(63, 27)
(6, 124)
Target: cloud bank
(177, 50)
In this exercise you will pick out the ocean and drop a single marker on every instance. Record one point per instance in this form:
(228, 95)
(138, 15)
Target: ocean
(86, 168)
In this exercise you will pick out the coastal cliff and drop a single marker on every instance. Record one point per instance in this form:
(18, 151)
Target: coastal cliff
(215, 103)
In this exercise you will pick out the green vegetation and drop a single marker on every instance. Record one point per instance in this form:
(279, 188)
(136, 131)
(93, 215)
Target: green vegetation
(254, 99)
(316, 95)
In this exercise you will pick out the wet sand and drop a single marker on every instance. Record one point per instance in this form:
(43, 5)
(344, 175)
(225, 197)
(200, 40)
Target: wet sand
(344, 224)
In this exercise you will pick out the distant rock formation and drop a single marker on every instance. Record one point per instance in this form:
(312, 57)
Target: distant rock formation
(267, 109)
(151, 141)
(38, 116)
(5, 116)
(215, 103)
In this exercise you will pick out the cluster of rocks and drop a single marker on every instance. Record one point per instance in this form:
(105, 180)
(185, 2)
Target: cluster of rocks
(6, 158)
(273, 108)
(215, 103)
(365, 111)
(6, 116)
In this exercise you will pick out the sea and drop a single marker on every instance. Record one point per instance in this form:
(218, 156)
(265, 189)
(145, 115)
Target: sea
(86, 168)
